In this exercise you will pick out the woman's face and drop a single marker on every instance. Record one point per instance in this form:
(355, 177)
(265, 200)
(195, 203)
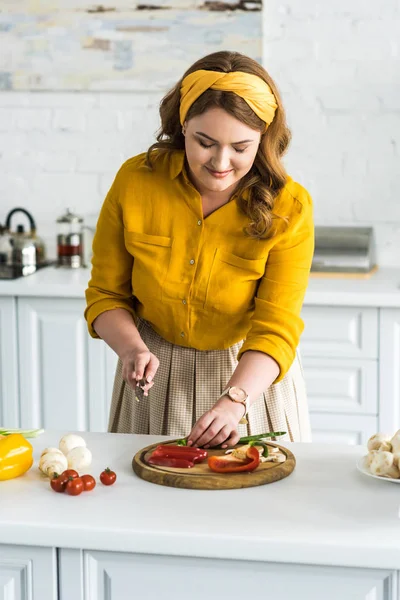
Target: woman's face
(220, 150)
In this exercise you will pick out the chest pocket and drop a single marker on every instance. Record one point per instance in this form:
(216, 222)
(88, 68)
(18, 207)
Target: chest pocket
(151, 257)
(233, 282)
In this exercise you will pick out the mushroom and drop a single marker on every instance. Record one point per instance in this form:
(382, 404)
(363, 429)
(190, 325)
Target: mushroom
(71, 441)
(53, 462)
(47, 450)
(275, 458)
(396, 459)
(79, 458)
(380, 441)
(382, 465)
(395, 441)
(368, 458)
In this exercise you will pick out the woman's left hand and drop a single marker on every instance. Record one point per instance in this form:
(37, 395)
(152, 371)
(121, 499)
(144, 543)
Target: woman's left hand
(218, 425)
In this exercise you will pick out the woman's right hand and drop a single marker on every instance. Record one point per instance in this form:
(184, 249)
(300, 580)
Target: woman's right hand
(139, 367)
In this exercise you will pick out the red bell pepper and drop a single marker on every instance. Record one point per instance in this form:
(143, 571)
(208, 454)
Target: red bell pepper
(165, 461)
(165, 447)
(226, 464)
(181, 452)
(194, 458)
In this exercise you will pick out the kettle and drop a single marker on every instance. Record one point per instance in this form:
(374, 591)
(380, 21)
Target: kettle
(5, 246)
(28, 250)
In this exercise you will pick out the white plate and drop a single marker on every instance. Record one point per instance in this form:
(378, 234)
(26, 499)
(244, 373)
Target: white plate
(364, 471)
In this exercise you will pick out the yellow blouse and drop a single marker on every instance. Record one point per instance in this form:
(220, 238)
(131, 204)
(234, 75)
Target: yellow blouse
(200, 282)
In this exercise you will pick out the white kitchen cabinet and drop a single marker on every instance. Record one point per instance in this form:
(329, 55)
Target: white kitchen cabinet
(341, 357)
(120, 576)
(389, 369)
(102, 365)
(9, 412)
(63, 372)
(342, 386)
(53, 374)
(340, 331)
(342, 429)
(28, 573)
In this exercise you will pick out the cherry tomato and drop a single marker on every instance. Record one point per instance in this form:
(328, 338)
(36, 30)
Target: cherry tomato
(70, 473)
(89, 482)
(74, 486)
(58, 483)
(107, 477)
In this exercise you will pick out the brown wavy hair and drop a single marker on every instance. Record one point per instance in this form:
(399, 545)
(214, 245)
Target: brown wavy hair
(267, 176)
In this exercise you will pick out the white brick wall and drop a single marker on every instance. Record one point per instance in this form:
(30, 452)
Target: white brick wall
(338, 67)
(63, 150)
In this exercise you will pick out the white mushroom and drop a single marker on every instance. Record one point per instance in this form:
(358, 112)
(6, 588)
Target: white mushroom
(79, 458)
(392, 473)
(368, 458)
(70, 441)
(396, 459)
(395, 441)
(53, 462)
(382, 465)
(47, 450)
(380, 441)
(275, 458)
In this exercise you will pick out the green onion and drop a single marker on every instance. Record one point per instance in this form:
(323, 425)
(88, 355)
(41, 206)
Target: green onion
(262, 444)
(182, 442)
(260, 436)
(27, 433)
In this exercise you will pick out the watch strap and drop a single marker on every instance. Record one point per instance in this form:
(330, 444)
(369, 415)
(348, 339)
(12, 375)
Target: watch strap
(243, 420)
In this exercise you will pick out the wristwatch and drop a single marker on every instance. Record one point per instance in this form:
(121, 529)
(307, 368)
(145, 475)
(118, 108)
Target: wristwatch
(237, 394)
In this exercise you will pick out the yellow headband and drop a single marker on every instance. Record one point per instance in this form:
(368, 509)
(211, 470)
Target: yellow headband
(251, 88)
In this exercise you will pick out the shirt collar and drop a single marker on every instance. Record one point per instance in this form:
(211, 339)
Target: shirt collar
(177, 161)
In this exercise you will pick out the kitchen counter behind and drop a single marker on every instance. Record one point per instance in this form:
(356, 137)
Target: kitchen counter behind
(325, 512)
(56, 282)
(381, 290)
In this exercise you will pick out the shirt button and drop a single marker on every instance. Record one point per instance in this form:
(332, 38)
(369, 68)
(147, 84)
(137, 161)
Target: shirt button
(183, 301)
(199, 222)
(191, 261)
(182, 334)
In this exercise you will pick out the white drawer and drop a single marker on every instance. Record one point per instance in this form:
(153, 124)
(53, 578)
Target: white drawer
(342, 429)
(340, 332)
(341, 386)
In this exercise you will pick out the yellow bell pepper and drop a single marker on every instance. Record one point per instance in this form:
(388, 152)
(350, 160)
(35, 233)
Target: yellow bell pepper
(16, 456)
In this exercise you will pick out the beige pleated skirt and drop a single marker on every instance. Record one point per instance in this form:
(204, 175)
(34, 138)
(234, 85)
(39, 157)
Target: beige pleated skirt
(188, 383)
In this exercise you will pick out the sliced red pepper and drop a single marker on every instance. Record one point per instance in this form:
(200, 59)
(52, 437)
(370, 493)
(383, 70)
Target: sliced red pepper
(225, 464)
(183, 449)
(181, 452)
(164, 461)
(191, 457)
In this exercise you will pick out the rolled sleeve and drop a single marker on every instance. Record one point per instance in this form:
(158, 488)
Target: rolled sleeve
(276, 325)
(110, 285)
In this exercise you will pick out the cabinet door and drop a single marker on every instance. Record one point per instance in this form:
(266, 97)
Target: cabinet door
(102, 365)
(342, 429)
(342, 385)
(119, 576)
(62, 371)
(340, 332)
(389, 370)
(9, 414)
(28, 573)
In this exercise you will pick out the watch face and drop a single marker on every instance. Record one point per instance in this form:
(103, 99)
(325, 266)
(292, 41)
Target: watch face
(237, 394)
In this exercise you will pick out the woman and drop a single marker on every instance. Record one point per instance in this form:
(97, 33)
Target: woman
(203, 242)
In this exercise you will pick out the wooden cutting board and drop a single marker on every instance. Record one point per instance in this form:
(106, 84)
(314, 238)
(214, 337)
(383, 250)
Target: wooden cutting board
(200, 477)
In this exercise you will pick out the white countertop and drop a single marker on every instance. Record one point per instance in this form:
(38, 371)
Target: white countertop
(382, 289)
(49, 282)
(324, 513)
